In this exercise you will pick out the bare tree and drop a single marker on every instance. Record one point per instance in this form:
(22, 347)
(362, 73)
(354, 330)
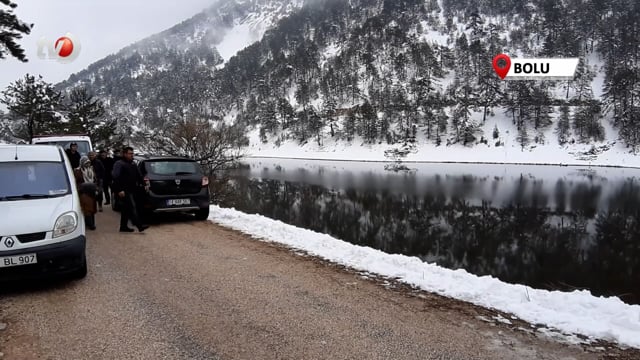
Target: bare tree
(214, 146)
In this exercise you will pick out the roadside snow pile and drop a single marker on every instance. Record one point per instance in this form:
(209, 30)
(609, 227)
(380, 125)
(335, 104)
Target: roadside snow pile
(576, 312)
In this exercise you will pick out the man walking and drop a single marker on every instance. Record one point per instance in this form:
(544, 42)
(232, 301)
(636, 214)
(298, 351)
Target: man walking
(126, 181)
(107, 163)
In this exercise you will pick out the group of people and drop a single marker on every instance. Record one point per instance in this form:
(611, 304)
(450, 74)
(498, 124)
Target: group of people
(98, 176)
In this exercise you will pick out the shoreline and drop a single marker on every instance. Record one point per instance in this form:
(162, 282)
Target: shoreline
(445, 162)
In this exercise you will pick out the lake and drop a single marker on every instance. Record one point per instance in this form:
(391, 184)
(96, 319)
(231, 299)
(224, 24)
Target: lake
(559, 228)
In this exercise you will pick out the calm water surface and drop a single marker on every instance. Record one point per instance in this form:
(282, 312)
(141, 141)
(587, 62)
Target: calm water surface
(548, 227)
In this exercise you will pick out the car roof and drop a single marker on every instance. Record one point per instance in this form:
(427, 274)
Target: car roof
(62, 138)
(11, 153)
(161, 158)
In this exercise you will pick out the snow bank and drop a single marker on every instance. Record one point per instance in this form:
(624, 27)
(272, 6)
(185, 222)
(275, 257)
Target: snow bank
(575, 312)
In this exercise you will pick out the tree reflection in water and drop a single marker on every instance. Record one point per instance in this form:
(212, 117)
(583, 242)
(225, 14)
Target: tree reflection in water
(567, 238)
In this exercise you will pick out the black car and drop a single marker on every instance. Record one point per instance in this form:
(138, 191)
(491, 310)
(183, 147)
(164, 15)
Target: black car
(175, 184)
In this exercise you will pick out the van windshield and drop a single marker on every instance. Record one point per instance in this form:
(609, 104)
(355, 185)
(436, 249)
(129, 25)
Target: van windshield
(33, 180)
(83, 146)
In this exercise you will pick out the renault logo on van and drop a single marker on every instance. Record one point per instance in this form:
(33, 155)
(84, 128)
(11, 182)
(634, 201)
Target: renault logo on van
(9, 242)
(178, 182)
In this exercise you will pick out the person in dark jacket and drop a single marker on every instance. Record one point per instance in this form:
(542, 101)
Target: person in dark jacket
(99, 170)
(73, 155)
(126, 182)
(117, 155)
(107, 162)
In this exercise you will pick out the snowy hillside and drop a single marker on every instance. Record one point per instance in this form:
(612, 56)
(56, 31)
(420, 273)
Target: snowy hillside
(505, 148)
(250, 28)
(167, 73)
(367, 76)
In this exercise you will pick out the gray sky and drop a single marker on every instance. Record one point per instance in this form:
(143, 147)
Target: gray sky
(101, 26)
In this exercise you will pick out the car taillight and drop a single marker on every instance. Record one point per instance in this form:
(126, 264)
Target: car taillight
(205, 181)
(147, 182)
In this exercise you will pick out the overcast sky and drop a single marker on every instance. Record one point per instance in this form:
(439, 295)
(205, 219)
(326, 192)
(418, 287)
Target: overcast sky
(101, 26)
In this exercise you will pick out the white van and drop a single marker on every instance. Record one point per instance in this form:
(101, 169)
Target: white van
(42, 230)
(65, 141)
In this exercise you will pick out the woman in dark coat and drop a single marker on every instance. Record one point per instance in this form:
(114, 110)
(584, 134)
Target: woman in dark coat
(87, 182)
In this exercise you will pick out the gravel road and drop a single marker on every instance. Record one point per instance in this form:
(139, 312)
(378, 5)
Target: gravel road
(194, 290)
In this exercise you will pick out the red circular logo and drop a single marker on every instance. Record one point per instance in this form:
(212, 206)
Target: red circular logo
(64, 46)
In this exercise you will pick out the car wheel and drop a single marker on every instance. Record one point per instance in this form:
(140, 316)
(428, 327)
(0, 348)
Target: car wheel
(81, 272)
(202, 214)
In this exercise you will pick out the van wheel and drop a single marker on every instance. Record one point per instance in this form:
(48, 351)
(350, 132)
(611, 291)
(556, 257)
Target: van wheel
(82, 271)
(202, 214)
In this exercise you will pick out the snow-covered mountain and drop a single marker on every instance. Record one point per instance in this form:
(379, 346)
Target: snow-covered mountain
(403, 75)
(167, 72)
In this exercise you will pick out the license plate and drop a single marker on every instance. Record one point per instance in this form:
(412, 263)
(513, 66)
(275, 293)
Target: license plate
(173, 202)
(17, 260)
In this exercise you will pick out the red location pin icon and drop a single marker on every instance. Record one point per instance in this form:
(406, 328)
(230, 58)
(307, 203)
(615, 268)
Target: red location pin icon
(502, 71)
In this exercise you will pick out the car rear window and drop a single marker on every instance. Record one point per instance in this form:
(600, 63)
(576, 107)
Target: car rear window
(172, 167)
(83, 146)
(33, 178)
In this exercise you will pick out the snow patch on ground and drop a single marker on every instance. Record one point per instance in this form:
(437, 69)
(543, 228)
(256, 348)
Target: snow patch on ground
(576, 312)
(251, 29)
(597, 84)
(432, 36)
(237, 38)
(332, 50)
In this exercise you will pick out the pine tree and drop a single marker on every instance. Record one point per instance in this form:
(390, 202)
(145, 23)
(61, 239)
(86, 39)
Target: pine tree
(586, 122)
(595, 130)
(33, 105)
(262, 133)
(316, 125)
(301, 127)
(330, 114)
(441, 129)
(86, 115)
(489, 91)
(582, 82)
(286, 113)
(563, 128)
(11, 30)
(350, 125)
(523, 137)
(540, 106)
(460, 119)
(369, 122)
(518, 100)
(468, 133)
(268, 117)
(110, 132)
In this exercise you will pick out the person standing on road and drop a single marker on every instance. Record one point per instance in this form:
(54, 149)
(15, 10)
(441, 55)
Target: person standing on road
(126, 182)
(87, 182)
(107, 163)
(99, 170)
(73, 155)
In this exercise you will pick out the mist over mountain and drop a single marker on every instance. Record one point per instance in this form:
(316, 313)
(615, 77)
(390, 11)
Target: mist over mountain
(384, 72)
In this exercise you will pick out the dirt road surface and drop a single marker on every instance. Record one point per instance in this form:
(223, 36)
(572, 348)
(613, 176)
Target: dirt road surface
(194, 290)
